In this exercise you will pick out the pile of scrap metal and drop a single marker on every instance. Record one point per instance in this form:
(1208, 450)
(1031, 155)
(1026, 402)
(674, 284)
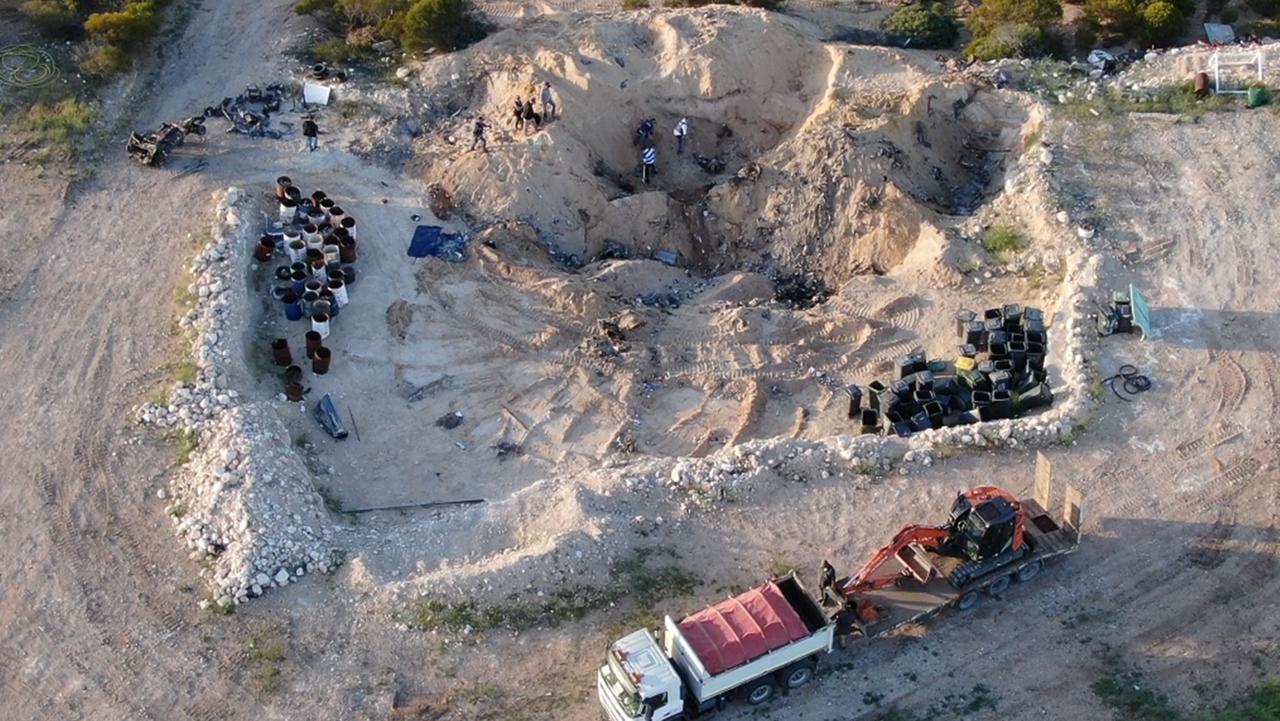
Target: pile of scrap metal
(1128, 313)
(153, 148)
(250, 112)
(998, 373)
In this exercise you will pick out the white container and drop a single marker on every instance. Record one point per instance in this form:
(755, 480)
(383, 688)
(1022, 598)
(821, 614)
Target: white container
(288, 213)
(340, 297)
(332, 254)
(297, 251)
(291, 235)
(320, 324)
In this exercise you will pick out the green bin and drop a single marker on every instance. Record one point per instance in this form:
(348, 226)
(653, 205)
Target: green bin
(1257, 97)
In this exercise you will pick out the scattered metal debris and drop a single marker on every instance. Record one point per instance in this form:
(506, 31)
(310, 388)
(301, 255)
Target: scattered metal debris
(153, 148)
(326, 414)
(450, 420)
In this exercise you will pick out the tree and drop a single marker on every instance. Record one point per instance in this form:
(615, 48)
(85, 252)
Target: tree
(133, 23)
(447, 24)
(1162, 22)
(992, 14)
(1018, 40)
(370, 12)
(923, 27)
(1118, 18)
(53, 17)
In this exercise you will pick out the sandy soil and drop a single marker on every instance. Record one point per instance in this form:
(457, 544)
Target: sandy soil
(98, 615)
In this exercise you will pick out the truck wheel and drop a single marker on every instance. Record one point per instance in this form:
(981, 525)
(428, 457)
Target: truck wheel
(998, 586)
(797, 675)
(967, 601)
(760, 691)
(1029, 571)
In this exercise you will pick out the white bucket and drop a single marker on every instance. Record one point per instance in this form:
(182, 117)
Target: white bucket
(320, 324)
(340, 297)
(321, 275)
(290, 236)
(288, 213)
(332, 254)
(297, 250)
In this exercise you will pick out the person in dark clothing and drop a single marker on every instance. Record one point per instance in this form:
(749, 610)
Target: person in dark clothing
(478, 135)
(644, 134)
(309, 131)
(827, 581)
(530, 115)
(649, 160)
(519, 113)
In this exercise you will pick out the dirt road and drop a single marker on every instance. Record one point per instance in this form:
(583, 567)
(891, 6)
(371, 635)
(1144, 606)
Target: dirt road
(98, 615)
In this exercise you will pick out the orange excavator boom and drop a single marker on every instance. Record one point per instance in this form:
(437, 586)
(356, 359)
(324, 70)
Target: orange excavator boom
(864, 580)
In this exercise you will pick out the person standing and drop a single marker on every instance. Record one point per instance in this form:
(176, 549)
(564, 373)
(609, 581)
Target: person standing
(519, 112)
(531, 117)
(681, 132)
(310, 131)
(478, 135)
(644, 133)
(548, 102)
(650, 160)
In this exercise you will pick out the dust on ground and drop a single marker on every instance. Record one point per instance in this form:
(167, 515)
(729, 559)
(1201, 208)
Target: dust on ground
(98, 613)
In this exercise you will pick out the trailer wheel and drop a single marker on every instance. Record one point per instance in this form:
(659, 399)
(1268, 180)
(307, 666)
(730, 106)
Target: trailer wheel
(797, 674)
(998, 586)
(967, 601)
(760, 691)
(1029, 571)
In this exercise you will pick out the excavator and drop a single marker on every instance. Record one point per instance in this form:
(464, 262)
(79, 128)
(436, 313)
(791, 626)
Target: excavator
(990, 539)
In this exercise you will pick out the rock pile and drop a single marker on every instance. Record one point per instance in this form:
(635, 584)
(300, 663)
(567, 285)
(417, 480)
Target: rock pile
(244, 501)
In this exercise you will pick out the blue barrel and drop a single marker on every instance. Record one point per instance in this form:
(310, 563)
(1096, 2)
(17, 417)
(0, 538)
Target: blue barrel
(299, 281)
(292, 306)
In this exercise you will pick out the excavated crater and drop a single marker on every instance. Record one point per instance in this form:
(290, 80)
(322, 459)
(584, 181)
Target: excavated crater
(598, 318)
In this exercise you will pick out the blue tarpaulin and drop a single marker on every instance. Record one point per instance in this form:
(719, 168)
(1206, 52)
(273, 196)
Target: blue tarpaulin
(432, 240)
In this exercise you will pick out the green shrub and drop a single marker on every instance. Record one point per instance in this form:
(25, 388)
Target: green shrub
(445, 24)
(1086, 37)
(1001, 240)
(1261, 28)
(369, 12)
(1162, 22)
(315, 7)
(337, 51)
(1010, 41)
(134, 22)
(1229, 15)
(635, 4)
(56, 18)
(1120, 19)
(923, 27)
(993, 14)
(103, 61)
(1265, 8)
(60, 124)
(762, 4)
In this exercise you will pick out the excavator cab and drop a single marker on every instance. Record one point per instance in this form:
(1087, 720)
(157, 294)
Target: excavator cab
(983, 530)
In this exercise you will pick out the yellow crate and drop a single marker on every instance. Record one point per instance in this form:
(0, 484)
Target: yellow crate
(965, 364)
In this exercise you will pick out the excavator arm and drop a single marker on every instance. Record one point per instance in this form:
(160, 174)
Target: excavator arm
(865, 580)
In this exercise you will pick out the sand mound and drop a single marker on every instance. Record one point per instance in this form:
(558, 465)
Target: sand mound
(817, 157)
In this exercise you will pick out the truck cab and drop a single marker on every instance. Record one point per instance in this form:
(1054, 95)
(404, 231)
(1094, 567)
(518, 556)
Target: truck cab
(637, 681)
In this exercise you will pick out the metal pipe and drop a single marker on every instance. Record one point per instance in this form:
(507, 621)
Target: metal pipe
(320, 362)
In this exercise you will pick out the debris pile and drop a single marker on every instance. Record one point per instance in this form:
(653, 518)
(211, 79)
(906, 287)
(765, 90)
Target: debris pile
(998, 373)
(244, 500)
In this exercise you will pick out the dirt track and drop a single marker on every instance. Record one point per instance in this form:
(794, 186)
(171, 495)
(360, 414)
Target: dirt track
(1179, 571)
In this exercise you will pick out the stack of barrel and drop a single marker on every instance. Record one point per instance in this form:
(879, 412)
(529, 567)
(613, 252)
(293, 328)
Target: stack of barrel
(998, 372)
(318, 238)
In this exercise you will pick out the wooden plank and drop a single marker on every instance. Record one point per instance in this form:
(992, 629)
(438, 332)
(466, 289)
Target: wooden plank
(1044, 480)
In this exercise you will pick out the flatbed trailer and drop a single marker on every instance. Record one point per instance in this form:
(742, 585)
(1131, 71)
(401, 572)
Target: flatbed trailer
(910, 601)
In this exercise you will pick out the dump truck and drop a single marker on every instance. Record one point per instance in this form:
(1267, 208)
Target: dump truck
(771, 637)
(763, 638)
